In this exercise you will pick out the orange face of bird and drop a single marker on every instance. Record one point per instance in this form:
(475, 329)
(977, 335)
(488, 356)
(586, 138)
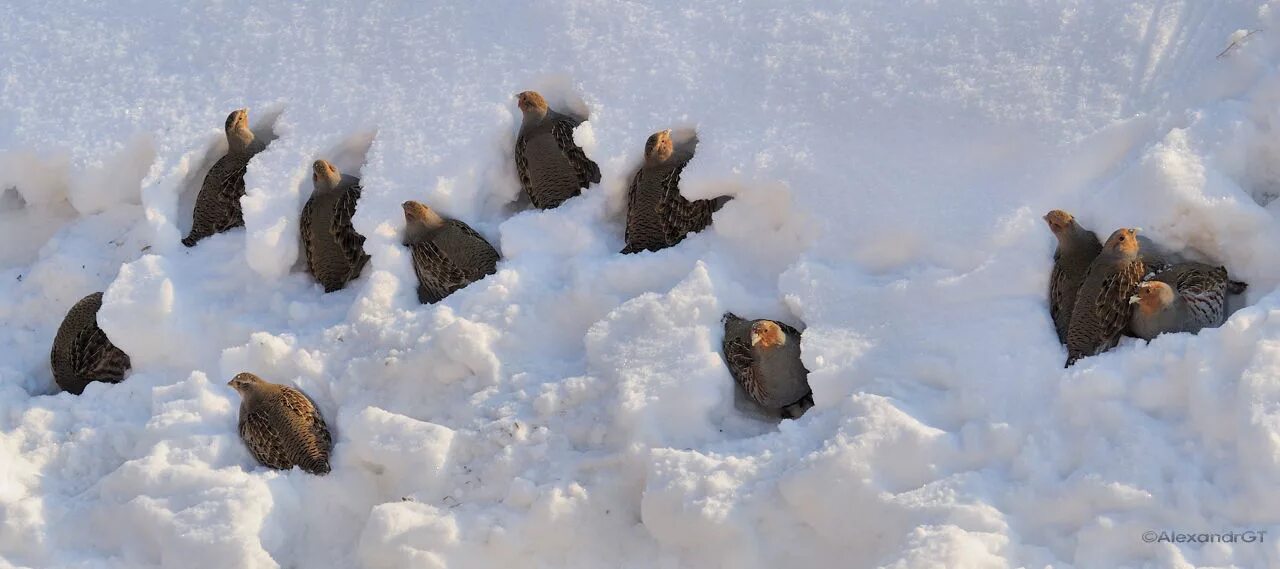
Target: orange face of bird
(659, 146)
(238, 118)
(243, 381)
(530, 101)
(1152, 296)
(323, 172)
(767, 334)
(1123, 240)
(415, 211)
(1058, 220)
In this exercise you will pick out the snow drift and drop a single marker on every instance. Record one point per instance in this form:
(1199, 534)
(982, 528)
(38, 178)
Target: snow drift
(890, 163)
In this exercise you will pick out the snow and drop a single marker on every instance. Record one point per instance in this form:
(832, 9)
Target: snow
(890, 163)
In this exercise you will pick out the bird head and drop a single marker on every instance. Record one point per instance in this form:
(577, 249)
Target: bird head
(325, 175)
(1124, 241)
(239, 137)
(531, 102)
(1152, 296)
(237, 119)
(659, 147)
(767, 334)
(243, 381)
(1059, 221)
(418, 214)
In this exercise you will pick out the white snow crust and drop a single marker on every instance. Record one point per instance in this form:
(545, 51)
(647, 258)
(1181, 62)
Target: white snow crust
(891, 161)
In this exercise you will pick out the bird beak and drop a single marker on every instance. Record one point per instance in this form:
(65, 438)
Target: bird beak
(1134, 299)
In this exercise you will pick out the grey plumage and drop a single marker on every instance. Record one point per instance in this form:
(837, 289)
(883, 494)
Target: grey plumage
(218, 203)
(1155, 257)
(657, 215)
(551, 166)
(763, 357)
(1102, 310)
(334, 250)
(447, 253)
(1077, 248)
(1184, 298)
(82, 352)
(281, 425)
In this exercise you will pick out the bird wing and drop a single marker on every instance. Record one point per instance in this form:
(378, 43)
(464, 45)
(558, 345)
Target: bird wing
(1203, 287)
(482, 257)
(562, 129)
(1057, 291)
(741, 363)
(628, 235)
(227, 177)
(1196, 278)
(522, 165)
(95, 358)
(681, 215)
(311, 441)
(304, 224)
(263, 440)
(351, 242)
(437, 275)
(1112, 306)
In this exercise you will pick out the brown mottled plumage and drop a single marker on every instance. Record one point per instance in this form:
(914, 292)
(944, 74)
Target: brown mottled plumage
(1184, 298)
(218, 204)
(82, 352)
(447, 254)
(334, 250)
(1102, 307)
(281, 426)
(1077, 248)
(657, 215)
(551, 166)
(764, 359)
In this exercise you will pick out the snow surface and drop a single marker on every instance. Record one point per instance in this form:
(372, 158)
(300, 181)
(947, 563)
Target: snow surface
(891, 161)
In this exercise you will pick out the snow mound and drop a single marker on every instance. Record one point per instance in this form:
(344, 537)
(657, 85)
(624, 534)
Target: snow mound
(889, 164)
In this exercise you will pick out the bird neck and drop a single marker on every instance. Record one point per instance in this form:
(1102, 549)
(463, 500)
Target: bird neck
(1073, 238)
(255, 393)
(535, 116)
(1150, 307)
(327, 185)
(239, 140)
(657, 159)
(423, 229)
(1120, 257)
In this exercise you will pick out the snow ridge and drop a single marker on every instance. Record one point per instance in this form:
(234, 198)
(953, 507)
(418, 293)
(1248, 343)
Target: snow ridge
(890, 163)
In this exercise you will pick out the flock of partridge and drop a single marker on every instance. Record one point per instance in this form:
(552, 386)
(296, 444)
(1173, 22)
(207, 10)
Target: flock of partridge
(1097, 291)
(282, 427)
(1128, 285)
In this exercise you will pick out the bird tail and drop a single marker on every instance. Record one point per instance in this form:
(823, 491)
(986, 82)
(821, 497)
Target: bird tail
(729, 317)
(719, 202)
(795, 410)
(1237, 287)
(189, 241)
(319, 467)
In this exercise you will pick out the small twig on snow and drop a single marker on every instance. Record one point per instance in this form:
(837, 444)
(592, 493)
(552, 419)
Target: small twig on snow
(1237, 43)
